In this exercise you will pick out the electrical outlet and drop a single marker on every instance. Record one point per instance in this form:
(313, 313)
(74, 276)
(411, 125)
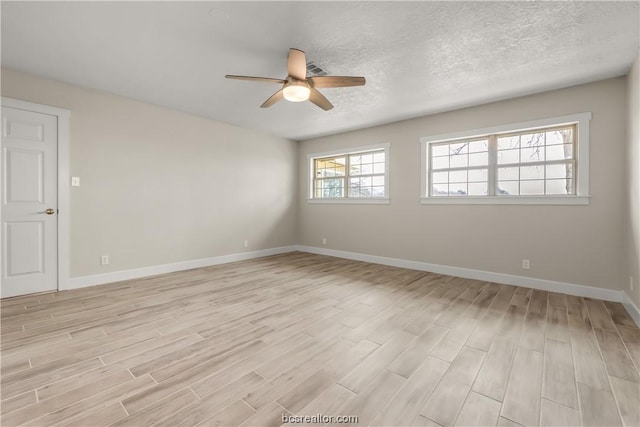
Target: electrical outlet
(324, 240)
(525, 264)
(245, 244)
(104, 259)
(75, 181)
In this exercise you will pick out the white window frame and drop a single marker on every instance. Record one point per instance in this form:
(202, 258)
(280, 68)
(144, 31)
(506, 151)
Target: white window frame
(580, 120)
(346, 152)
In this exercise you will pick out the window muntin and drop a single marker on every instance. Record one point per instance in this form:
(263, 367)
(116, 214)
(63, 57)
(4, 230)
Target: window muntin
(538, 162)
(361, 174)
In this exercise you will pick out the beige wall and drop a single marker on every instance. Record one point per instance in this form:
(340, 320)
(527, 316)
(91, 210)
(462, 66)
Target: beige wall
(573, 244)
(159, 186)
(632, 210)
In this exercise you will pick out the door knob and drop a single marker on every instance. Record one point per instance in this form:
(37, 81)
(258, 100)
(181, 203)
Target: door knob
(50, 211)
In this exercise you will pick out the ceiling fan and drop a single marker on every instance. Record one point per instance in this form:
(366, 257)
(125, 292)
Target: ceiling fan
(297, 87)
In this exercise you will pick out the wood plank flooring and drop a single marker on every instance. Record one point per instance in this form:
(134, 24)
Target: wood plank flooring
(299, 335)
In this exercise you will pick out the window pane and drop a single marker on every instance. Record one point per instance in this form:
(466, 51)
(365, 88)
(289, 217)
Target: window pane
(440, 177)
(330, 167)
(360, 187)
(560, 136)
(531, 188)
(329, 188)
(560, 152)
(478, 175)
(378, 168)
(559, 186)
(355, 160)
(459, 160)
(508, 188)
(570, 170)
(553, 137)
(377, 191)
(458, 189)
(505, 174)
(332, 183)
(508, 142)
(508, 156)
(532, 172)
(458, 148)
(560, 171)
(323, 163)
(378, 157)
(529, 140)
(532, 154)
(378, 181)
(458, 176)
(478, 189)
(358, 192)
(479, 159)
(366, 168)
(440, 162)
(354, 169)
(367, 158)
(478, 146)
(440, 150)
(440, 189)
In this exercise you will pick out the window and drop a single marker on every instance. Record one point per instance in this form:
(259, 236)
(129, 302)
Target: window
(543, 162)
(359, 176)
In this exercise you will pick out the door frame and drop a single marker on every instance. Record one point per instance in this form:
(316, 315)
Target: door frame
(64, 180)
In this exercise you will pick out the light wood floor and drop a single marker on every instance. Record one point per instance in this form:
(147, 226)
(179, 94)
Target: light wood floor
(245, 343)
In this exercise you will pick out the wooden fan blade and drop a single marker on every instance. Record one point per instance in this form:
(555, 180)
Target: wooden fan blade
(336, 81)
(278, 96)
(319, 99)
(255, 79)
(297, 64)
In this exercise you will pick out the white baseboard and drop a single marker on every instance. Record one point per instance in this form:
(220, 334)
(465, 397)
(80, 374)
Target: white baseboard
(136, 273)
(507, 279)
(632, 309)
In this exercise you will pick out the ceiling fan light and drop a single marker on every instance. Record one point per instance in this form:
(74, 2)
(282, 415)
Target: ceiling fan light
(296, 92)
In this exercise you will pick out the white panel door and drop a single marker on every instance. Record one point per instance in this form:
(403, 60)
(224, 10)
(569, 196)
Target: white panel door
(29, 202)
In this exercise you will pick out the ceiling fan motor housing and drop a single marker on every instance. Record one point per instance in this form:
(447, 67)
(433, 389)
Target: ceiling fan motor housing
(295, 90)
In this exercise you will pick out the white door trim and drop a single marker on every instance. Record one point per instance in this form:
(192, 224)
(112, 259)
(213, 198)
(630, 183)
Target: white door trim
(64, 180)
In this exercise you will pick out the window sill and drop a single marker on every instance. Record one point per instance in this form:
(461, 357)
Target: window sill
(506, 200)
(351, 201)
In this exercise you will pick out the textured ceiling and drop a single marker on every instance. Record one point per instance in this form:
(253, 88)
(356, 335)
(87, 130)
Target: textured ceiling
(418, 57)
